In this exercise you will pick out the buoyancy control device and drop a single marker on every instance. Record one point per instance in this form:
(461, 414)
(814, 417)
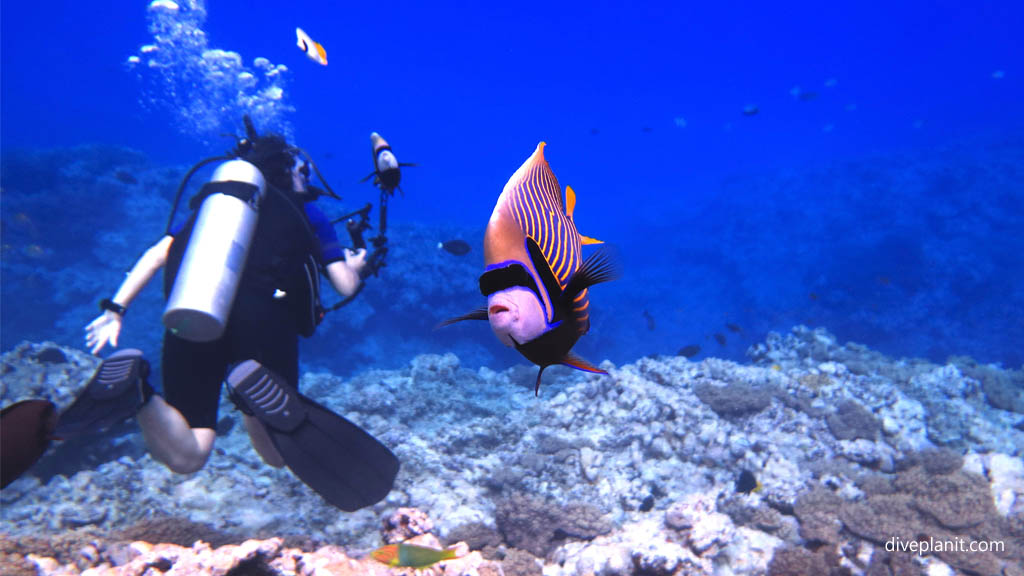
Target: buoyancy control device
(204, 290)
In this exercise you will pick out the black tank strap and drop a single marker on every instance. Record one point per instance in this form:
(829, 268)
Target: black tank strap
(241, 190)
(181, 188)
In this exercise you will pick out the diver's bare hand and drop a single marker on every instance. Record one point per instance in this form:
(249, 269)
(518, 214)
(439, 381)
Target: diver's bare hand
(105, 328)
(355, 260)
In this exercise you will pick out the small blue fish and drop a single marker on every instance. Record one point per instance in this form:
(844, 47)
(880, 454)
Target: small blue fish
(456, 247)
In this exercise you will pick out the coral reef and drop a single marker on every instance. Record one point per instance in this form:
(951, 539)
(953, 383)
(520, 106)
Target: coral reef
(122, 555)
(631, 473)
(851, 421)
(263, 557)
(537, 526)
(733, 400)
(406, 523)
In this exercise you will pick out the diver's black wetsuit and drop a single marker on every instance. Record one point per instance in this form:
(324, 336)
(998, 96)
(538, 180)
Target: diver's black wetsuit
(260, 327)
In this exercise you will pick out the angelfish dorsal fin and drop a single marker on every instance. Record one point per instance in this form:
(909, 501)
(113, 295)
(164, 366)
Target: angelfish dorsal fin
(570, 207)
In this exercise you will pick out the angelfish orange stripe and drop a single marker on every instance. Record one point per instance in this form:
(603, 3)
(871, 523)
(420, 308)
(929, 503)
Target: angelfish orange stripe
(537, 207)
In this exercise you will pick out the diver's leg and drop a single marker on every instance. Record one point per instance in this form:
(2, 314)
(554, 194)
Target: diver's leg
(171, 440)
(180, 428)
(261, 442)
(264, 331)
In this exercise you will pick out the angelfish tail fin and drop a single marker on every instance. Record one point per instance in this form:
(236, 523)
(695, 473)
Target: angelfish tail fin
(573, 361)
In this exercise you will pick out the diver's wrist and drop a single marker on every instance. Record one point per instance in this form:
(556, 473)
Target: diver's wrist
(109, 305)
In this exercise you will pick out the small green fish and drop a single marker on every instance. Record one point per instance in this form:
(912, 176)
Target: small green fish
(403, 555)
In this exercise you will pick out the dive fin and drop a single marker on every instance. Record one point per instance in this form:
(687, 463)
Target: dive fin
(26, 429)
(339, 460)
(478, 314)
(114, 394)
(598, 267)
(573, 361)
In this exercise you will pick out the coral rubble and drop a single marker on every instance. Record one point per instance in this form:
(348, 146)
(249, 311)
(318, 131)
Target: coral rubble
(631, 473)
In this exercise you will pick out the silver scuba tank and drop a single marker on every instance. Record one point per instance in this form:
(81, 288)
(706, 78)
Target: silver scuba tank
(207, 280)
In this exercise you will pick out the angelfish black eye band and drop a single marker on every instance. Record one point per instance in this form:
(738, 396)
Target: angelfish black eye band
(506, 277)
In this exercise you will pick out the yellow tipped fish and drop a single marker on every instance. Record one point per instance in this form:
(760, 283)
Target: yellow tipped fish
(535, 278)
(313, 49)
(404, 555)
(747, 483)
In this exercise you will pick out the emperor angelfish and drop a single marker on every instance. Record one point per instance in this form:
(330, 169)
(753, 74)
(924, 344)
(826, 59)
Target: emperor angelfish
(387, 170)
(535, 278)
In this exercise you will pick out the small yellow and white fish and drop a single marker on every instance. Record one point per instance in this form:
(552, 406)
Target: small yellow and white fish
(312, 48)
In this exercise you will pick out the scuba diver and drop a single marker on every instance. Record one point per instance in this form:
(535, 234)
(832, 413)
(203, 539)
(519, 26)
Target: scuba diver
(242, 283)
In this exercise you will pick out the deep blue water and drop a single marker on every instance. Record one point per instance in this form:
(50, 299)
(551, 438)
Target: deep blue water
(881, 199)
